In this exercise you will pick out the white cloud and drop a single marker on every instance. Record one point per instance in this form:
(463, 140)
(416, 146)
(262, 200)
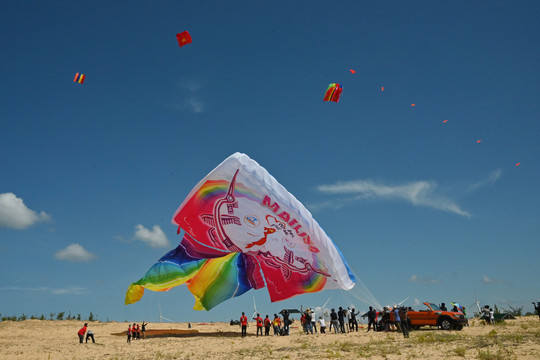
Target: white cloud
(419, 193)
(424, 280)
(194, 104)
(488, 280)
(155, 237)
(492, 177)
(14, 213)
(74, 253)
(56, 291)
(190, 99)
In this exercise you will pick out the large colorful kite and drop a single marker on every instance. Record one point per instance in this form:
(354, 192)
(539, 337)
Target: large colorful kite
(333, 92)
(243, 230)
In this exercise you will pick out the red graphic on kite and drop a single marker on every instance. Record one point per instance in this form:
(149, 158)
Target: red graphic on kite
(267, 231)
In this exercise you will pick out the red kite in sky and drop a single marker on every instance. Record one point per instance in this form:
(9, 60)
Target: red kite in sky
(333, 92)
(183, 38)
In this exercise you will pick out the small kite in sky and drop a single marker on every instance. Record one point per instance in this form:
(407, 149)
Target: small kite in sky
(517, 164)
(413, 105)
(382, 88)
(352, 71)
(183, 38)
(478, 141)
(445, 121)
(79, 78)
(333, 92)
(243, 230)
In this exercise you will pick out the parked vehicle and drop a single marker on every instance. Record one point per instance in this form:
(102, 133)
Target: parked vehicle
(434, 316)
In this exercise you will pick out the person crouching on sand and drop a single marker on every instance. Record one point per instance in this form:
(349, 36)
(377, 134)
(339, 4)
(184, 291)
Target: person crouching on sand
(90, 335)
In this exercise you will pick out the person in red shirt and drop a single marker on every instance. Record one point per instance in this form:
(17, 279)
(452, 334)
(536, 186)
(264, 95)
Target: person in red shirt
(259, 321)
(129, 334)
(82, 332)
(267, 324)
(244, 324)
(138, 332)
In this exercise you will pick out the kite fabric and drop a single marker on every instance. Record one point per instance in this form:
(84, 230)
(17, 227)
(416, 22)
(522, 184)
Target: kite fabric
(183, 38)
(243, 230)
(79, 78)
(333, 92)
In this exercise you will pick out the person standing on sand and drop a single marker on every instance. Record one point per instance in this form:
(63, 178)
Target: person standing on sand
(322, 325)
(267, 324)
(244, 324)
(353, 323)
(313, 321)
(277, 325)
(334, 321)
(404, 318)
(129, 334)
(286, 322)
(82, 332)
(143, 330)
(259, 321)
(138, 332)
(341, 317)
(372, 315)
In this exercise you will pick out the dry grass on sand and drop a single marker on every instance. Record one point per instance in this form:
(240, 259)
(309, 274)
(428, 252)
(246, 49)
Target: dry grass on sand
(44, 339)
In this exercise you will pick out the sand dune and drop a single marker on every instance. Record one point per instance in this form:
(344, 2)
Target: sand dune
(35, 339)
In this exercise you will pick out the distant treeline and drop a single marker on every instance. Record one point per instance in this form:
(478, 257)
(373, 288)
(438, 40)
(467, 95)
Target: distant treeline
(52, 316)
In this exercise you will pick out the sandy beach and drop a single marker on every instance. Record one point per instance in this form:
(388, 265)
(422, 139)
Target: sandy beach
(38, 339)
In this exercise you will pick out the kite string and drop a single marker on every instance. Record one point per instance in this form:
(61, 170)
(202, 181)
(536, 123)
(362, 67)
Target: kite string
(361, 293)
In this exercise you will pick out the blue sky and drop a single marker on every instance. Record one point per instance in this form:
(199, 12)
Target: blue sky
(92, 173)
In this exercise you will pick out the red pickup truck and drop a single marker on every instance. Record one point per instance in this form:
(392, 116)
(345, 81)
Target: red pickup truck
(434, 316)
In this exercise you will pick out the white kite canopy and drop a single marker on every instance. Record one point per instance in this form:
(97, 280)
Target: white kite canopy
(243, 230)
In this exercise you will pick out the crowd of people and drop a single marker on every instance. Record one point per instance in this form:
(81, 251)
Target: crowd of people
(135, 331)
(342, 321)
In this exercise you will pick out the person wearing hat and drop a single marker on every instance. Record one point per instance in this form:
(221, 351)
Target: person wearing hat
(82, 332)
(307, 321)
(313, 321)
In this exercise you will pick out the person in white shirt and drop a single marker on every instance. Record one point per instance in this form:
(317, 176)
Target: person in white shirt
(322, 325)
